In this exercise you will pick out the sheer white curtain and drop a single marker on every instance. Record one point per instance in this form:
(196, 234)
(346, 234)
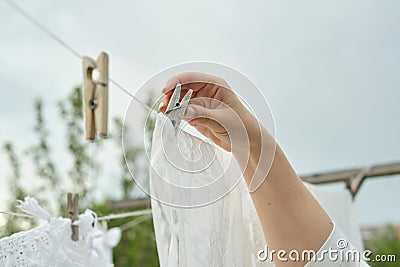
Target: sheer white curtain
(199, 221)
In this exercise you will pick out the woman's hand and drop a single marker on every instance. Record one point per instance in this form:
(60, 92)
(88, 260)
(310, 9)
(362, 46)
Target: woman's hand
(214, 110)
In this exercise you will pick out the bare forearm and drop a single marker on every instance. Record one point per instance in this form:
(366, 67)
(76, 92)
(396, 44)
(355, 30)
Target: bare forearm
(290, 216)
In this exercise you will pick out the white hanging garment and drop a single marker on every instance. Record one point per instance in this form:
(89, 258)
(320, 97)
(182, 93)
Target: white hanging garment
(50, 243)
(190, 172)
(338, 203)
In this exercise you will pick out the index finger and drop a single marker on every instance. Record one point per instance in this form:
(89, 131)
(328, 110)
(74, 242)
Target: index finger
(194, 80)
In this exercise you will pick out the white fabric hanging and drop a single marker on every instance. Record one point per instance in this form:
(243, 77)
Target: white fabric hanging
(50, 244)
(226, 232)
(338, 203)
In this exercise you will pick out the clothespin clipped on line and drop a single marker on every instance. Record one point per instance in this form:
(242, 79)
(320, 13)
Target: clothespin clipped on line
(95, 96)
(73, 214)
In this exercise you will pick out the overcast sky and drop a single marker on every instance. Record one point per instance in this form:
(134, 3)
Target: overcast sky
(329, 70)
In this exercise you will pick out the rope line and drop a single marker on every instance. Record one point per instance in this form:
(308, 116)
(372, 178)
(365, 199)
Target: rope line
(16, 214)
(60, 41)
(134, 222)
(52, 35)
(103, 218)
(124, 90)
(124, 215)
(29, 17)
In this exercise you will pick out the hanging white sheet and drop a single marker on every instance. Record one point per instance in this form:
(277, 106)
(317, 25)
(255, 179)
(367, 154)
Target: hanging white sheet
(188, 171)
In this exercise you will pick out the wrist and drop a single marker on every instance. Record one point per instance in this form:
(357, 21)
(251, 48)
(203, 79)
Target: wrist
(257, 153)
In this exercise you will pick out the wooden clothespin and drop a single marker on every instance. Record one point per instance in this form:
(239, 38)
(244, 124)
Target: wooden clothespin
(95, 96)
(73, 214)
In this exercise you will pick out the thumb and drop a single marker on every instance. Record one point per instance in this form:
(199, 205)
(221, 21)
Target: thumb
(198, 115)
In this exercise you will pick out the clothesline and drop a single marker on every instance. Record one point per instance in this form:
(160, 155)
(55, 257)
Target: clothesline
(52, 35)
(49, 243)
(16, 214)
(59, 40)
(103, 218)
(124, 215)
(134, 222)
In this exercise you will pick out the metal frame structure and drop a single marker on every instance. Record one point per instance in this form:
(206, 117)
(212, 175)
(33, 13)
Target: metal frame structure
(353, 178)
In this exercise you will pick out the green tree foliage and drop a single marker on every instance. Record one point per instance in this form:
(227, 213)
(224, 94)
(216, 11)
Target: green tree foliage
(137, 246)
(131, 155)
(386, 242)
(135, 155)
(16, 189)
(71, 111)
(43, 162)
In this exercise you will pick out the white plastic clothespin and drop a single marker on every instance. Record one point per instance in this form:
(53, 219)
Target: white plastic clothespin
(95, 96)
(73, 214)
(175, 109)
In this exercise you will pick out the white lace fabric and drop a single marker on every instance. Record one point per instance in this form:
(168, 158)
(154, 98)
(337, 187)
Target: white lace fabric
(50, 243)
(226, 232)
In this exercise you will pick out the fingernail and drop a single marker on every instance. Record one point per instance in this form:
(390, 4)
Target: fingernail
(162, 104)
